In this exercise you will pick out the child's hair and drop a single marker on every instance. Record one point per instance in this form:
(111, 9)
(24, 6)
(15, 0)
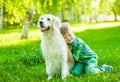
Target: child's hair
(65, 27)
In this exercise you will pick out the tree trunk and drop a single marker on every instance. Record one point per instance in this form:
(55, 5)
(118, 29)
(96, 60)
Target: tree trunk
(1, 18)
(114, 12)
(26, 24)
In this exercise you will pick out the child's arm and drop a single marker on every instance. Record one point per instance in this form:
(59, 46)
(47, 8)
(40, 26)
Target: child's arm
(70, 57)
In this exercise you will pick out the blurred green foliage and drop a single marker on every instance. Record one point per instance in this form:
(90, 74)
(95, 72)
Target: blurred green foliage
(14, 11)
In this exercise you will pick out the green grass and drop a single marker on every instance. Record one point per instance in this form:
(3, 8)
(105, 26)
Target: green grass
(22, 60)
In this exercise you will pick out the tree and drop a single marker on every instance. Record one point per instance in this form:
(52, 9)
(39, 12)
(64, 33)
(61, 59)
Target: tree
(27, 20)
(26, 24)
(15, 12)
(1, 14)
(115, 6)
(94, 10)
(110, 7)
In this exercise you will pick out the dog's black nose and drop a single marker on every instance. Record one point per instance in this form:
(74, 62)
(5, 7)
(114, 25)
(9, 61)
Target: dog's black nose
(41, 23)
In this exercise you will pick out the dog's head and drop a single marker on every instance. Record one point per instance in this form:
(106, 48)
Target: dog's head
(48, 22)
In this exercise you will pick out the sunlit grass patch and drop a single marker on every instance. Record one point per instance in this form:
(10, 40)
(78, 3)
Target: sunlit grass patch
(14, 38)
(83, 27)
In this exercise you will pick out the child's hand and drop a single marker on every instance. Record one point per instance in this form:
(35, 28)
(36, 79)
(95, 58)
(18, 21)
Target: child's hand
(70, 56)
(67, 45)
(80, 60)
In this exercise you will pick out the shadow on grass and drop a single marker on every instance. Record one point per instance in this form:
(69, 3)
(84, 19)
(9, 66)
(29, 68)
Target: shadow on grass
(28, 54)
(22, 63)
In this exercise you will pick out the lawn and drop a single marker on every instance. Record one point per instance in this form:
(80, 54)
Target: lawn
(22, 60)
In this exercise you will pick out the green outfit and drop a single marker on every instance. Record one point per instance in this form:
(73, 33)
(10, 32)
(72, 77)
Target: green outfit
(85, 58)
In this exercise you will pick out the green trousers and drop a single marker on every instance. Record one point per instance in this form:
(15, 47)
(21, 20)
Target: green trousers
(86, 67)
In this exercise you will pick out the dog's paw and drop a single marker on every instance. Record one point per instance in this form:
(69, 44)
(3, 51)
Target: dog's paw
(64, 77)
(49, 77)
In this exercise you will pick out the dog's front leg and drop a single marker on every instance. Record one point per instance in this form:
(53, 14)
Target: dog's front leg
(65, 70)
(48, 70)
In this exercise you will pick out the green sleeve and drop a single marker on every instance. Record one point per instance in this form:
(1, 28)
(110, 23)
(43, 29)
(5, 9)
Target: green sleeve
(77, 52)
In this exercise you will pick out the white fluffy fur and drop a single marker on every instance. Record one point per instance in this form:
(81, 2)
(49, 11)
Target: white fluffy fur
(53, 46)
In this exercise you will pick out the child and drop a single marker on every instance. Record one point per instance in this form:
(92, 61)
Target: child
(85, 60)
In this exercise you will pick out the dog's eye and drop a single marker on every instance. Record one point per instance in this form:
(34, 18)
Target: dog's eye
(41, 18)
(48, 19)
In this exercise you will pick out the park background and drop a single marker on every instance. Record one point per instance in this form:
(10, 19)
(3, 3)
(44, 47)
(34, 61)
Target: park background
(97, 22)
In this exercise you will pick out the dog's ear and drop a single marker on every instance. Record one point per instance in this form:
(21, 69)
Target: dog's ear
(56, 22)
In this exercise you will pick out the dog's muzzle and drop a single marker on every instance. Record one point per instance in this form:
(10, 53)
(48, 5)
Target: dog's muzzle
(42, 27)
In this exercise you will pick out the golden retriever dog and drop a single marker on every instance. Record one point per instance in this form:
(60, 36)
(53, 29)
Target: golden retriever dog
(54, 47)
